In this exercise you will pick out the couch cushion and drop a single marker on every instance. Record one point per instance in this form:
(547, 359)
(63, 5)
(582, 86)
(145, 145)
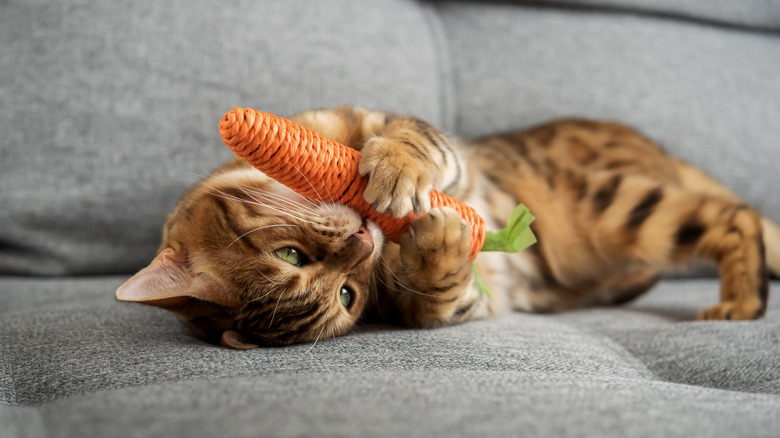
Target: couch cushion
(110, 110)
(74, 362)
(422, 404)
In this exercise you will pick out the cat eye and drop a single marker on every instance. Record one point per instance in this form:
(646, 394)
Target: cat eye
(346, 296)
(291, 256)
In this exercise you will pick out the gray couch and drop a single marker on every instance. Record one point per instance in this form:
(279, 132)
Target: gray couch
(110, 110)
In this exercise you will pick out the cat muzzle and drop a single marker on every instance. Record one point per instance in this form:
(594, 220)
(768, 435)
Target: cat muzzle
(361, 244)
(363, 235)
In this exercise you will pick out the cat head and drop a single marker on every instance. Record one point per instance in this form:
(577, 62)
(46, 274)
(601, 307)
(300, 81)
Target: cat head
(245, 262)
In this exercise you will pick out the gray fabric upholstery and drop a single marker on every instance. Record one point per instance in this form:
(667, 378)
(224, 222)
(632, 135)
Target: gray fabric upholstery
(110, 109)
(106, 369)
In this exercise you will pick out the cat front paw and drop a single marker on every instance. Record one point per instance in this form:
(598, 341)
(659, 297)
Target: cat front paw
(398, 181)
(436, 247)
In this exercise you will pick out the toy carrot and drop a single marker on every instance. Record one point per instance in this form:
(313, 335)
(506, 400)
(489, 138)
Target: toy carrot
(311, 164)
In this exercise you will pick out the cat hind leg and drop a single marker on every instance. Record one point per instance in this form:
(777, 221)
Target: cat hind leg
(738, 247)
(665, 226)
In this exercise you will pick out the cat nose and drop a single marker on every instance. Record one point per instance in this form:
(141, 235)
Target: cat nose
(359, 247)
(364, 236)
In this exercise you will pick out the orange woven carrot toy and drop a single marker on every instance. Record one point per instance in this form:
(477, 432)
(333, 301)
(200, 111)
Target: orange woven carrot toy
(311, 164)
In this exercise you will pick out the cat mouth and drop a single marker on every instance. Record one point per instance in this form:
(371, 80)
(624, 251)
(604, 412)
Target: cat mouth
(374, 232)
(363, 243)
(356, 228)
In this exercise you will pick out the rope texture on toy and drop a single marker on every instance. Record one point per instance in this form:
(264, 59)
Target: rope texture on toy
(321, 169)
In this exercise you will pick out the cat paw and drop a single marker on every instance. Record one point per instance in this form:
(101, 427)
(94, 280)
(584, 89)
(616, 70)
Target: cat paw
(398, 181)
(437, 246)
(732, 310)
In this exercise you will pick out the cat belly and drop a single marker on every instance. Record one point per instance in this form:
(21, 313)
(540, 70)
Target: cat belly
(510, 279)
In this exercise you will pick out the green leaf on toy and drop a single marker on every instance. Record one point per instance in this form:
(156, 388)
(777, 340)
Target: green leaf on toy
(480, 284)
(517, 235)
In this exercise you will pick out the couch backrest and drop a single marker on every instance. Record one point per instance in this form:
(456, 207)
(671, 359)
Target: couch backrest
(110, 109)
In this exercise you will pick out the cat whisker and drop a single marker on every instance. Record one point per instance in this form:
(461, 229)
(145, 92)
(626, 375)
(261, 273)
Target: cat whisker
(315, 341)
(280, 200)
(268, 196)
(315, 190)
(260, 204)
(273, 315)
(302, 198)
(287, 213)
(270, 291)
(406, 288)
(268, 193)
(373, 293)
(194, 177)
(258, 229)
(414, 291)
(286, 202)
(254, 300)
(398, 282)
(277, 283)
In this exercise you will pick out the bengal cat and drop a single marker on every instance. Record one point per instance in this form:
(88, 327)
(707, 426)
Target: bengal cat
(245, 262)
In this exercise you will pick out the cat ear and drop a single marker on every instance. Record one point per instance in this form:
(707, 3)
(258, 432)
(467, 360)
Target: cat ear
(168, 282)
(235, 340)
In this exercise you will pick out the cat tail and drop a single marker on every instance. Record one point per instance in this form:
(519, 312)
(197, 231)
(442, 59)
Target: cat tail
(771, 233)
